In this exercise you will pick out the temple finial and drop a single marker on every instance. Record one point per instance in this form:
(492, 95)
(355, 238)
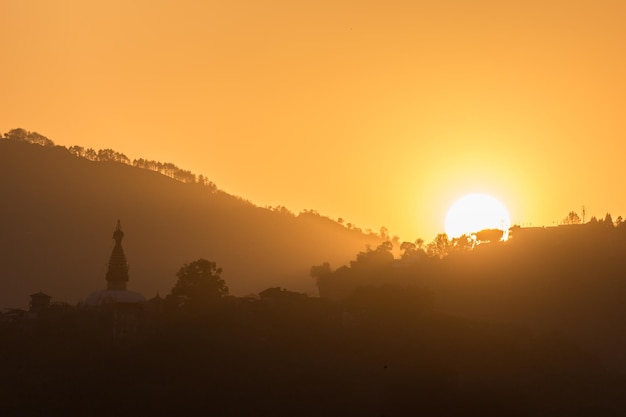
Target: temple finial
(118, 234)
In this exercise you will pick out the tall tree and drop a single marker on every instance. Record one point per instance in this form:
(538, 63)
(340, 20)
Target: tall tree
(199, 286)
(608, 220)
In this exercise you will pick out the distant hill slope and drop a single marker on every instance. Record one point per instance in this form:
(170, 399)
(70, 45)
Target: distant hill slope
(58, 213)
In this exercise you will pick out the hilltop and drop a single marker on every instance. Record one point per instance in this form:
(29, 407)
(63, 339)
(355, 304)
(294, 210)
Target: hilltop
(59, 210)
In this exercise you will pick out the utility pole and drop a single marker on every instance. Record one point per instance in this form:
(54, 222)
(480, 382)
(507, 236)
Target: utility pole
(584, 214)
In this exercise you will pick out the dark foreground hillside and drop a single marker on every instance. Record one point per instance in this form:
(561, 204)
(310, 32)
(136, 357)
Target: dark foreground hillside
(383, 353)
(58, 213)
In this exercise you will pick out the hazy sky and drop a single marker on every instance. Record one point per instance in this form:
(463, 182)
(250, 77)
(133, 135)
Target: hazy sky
(380, 112)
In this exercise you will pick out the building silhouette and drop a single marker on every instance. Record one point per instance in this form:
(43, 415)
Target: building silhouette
(39, 301)
(124, 306)
(117, 278)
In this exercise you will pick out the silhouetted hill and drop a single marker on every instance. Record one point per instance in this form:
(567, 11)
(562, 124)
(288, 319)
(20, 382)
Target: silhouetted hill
(566, 279)
(384, 354)
(569, 280)
(58, 213)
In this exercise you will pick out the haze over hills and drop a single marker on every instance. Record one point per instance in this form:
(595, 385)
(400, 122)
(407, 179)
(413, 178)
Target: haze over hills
(59, 212)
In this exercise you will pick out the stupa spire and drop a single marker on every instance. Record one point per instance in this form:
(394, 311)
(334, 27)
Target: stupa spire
(117, 272)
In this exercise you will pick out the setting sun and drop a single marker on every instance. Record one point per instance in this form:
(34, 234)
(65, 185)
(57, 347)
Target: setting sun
(476, 212)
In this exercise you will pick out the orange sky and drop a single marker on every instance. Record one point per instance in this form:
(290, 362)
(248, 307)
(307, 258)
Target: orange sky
(382, 113)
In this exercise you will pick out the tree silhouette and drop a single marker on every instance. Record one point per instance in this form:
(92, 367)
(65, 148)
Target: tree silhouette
(22, 135)
(608, 220)
(463, 243)
(572, 218)
(78, 151)
(374, 259)
(109, 155)
(91, 154)
(199, 285)
(407, 247)
(323, 278)
(412, 251)
(439, 247)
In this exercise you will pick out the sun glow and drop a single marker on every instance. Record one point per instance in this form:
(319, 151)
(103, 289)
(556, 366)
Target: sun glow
(476, 212)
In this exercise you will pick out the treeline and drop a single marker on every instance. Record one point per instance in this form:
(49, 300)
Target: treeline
(170, 170)
(573, 218)
(411, 262)
(110, 155)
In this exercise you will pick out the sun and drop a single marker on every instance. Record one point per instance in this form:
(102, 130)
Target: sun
(476, 212)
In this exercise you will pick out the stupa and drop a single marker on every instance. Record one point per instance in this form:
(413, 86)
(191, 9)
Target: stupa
(117, 278)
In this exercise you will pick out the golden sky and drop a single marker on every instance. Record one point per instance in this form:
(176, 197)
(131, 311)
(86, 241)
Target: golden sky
(380, 112)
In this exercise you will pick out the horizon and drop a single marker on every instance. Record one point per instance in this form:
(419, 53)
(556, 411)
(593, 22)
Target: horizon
(380, 114)
(341, 220)
(52, 180)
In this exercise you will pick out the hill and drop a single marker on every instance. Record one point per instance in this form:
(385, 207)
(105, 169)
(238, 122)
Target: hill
(58, 213)
(567, 280)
